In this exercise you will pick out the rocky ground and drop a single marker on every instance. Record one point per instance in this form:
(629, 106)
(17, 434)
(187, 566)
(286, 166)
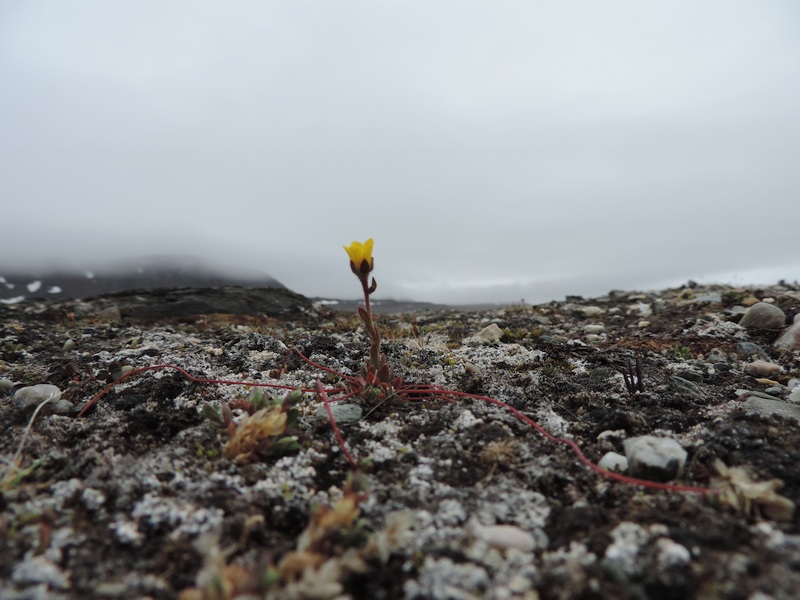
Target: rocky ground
(153, 494)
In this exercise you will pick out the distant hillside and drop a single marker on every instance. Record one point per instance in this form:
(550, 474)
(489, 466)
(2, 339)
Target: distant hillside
(146, 273)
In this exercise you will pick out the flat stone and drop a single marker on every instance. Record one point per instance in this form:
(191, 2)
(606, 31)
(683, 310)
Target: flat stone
(594, 328)
(763, 316)
(654, 458)
(757, 405)
(748, 393)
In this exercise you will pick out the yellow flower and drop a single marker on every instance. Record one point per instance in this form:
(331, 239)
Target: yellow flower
(361, 261)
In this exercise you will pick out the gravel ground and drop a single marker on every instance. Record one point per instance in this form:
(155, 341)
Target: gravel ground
(453, 497)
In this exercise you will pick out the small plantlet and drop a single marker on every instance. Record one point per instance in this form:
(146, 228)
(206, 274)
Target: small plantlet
(634, 382)
(680, 351)
(266, 431)
(738, 490)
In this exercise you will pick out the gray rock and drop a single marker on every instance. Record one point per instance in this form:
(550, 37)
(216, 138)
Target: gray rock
(31, 396)
(594, 328)
(756, 405)
(689, 388)
(763, 316)
(790, 339)
(654, 458)
(343, 413)
(747, 349)
(6, 385)
(717, 355)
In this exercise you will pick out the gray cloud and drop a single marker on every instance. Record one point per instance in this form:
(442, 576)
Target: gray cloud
(494, 151)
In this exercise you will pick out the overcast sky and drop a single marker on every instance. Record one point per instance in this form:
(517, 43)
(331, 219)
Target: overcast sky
(495, 150)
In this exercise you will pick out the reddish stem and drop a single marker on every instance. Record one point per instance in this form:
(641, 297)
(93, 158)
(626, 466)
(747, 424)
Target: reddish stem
(577, 450)
(190, 377)
(324, 397)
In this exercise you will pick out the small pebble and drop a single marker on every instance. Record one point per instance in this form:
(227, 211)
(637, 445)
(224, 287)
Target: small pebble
(592, 311)
(68, 345)
(612, 461)
(709, 297)
(505, 537)
(687, 387)
(671, 554)
(6, 385)
(343, 413)
(33, 395)
(717, 355)
(763, 316)
(654, 458)
(762, 368)
(491, 333)
(643, 324)
(62, 407)
(594, 328)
